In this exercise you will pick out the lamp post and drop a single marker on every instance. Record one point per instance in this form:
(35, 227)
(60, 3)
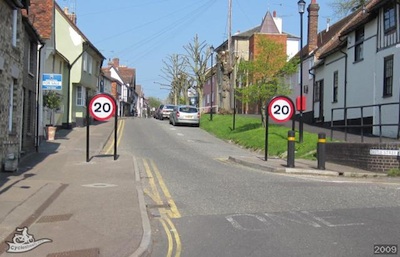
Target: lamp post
(301, 4)
(211, 82)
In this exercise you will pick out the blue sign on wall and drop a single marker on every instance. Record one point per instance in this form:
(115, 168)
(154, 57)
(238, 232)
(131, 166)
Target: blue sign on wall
(52, 81)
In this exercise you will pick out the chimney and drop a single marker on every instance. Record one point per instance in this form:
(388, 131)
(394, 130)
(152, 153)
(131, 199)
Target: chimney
(116, 62)
(312, 9)
(71, 16)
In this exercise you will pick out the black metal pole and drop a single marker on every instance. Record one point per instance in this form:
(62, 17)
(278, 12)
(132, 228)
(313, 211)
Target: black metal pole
(301, 80)
(211, 97)
(234, 111)
(266, 133)
(87, 129)
(115, 130)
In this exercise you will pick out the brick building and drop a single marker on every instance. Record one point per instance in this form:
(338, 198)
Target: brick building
(18, 73)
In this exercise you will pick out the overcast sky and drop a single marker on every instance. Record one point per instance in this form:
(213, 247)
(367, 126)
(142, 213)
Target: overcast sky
(143, 33)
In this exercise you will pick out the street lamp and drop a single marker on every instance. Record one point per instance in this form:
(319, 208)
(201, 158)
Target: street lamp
(211, 82)
(301, 4)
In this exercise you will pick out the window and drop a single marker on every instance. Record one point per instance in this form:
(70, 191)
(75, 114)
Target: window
(14, 27)
(87, 63)
(317, 90)
(389, 18)
(85, 57)
(335, 86)
(90, 64)
(359, 45)
(388, 76)
(80, 96)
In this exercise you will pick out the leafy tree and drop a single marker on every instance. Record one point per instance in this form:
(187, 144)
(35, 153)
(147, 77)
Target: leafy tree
(52, 100)
(154, 102)
(263, 76)
(344, 7)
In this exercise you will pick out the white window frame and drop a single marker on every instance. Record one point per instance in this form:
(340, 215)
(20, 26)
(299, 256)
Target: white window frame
(80, 96)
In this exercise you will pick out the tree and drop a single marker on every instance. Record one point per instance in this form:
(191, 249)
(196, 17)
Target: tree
(263, 76)
(174, 71)
(198, 55)
(52, 100)
(154, 102)
(344, 7)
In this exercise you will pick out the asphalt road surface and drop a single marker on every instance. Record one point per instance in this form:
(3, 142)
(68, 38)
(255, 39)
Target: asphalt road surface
(202, 205)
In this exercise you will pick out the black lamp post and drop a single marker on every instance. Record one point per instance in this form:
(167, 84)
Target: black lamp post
(302, 5)
(211, 82)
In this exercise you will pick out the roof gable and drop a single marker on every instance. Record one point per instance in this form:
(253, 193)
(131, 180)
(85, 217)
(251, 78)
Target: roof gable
(268, 26)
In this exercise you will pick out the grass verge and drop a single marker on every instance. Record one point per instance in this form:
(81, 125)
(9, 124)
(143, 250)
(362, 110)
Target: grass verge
(250, 133)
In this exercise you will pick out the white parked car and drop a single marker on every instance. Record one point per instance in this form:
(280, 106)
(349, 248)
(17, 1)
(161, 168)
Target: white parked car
(185, 114)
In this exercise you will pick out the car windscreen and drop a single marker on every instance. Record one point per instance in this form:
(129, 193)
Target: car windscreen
(169, 107)
(188, 109)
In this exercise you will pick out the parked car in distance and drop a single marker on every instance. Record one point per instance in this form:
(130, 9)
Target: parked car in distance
(185, 114)
(157, 111)
(166, 111)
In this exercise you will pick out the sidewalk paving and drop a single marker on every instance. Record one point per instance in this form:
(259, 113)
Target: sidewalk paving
(96, 208)
(93, 208)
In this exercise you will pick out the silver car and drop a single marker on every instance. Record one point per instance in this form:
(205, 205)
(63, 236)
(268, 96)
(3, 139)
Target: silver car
(165, 111)
(185, 114)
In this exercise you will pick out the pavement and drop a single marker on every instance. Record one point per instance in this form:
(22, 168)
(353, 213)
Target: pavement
(73, 208)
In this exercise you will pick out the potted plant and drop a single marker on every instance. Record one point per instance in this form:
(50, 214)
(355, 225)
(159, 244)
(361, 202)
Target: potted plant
(51, 100)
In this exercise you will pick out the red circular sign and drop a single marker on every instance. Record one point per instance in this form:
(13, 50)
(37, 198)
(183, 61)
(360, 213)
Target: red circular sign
(281, 109)
(102, 107)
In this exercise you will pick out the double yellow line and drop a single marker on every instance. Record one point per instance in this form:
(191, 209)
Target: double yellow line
(120, 129)
(167, 211)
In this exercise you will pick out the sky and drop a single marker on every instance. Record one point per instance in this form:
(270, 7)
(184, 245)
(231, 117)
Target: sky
(144, 33)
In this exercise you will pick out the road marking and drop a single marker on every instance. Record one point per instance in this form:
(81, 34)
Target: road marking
(174, 212)
(169, 238)
(103, 185)
(180, 134)
(166, 213)
(262, 222)
(120, 129)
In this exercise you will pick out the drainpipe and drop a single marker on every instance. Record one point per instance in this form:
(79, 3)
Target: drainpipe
(345, 90)
(39, 60)
(313, 85)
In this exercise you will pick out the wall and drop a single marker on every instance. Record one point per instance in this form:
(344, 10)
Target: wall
(358, 155)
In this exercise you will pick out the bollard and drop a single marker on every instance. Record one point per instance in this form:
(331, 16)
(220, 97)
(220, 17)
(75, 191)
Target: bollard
(290, 148)
(321, 155)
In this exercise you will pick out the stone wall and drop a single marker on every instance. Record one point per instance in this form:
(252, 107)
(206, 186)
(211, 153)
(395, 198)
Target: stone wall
(382, 158)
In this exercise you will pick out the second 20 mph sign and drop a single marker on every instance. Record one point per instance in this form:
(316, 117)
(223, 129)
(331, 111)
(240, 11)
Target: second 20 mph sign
(102, 107)
(281, 108)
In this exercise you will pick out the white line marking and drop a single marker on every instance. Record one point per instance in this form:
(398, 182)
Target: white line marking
(180, 134)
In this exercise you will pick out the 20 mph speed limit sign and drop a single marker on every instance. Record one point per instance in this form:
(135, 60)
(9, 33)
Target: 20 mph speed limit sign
(281, 108)
(102, 107)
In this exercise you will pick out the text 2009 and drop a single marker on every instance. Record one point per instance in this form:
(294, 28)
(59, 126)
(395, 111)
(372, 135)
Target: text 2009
(385, 249)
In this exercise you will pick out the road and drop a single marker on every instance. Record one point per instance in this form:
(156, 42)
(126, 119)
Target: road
(202, 205)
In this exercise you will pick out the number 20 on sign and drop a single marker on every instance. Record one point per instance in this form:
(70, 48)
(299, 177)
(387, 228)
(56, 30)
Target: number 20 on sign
(281, 109)
(102, 107)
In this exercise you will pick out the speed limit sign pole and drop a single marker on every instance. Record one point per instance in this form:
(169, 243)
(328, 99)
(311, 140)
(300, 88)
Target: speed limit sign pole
(102, 107)
(280, 109)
